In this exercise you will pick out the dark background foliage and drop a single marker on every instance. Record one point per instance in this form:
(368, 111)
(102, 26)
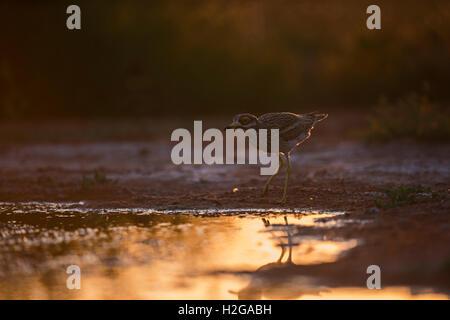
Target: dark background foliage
(135, 58)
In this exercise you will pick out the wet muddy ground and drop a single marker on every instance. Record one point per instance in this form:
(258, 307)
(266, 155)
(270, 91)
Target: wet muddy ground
(141, 227)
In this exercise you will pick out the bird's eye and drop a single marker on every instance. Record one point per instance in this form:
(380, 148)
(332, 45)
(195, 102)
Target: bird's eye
(244, 120)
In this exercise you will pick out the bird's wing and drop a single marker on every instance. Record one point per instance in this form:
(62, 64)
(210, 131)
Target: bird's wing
(279, 120)
(296, 129)
(291, 125)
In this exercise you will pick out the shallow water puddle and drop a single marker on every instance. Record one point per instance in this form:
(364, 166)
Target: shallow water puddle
(157, 254)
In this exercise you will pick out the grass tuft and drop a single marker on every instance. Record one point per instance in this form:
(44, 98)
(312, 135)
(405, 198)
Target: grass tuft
(97, 178)
(404, 195)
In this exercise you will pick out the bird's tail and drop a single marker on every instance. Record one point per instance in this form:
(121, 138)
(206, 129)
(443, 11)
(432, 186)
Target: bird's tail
(318, 116)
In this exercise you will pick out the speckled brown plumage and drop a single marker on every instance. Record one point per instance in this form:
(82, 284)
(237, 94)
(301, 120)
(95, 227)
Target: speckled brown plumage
(293, 128)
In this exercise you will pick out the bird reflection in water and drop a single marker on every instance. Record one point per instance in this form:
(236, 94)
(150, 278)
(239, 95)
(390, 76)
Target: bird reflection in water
(280, 279)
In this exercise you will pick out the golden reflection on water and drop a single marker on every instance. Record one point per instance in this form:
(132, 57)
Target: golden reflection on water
(202, 258)
(389, 293)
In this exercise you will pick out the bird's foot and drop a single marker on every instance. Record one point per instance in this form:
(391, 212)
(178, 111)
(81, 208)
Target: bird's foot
(283, 200)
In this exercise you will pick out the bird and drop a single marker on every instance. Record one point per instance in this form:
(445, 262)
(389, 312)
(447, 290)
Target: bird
(293, 128)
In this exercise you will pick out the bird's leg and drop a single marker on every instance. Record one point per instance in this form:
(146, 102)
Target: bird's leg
(289, 260)
(282, 253)
(288, 173)
(266, 187)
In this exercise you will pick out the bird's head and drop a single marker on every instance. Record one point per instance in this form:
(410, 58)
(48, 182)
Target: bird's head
(243, 121)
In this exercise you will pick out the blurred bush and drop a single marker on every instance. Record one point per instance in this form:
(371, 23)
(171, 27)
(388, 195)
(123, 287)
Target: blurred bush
(413, 116)
(135, 58)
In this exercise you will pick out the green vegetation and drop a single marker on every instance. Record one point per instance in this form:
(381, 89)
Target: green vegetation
(405, 195)
(97, 178)
(413, 116)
